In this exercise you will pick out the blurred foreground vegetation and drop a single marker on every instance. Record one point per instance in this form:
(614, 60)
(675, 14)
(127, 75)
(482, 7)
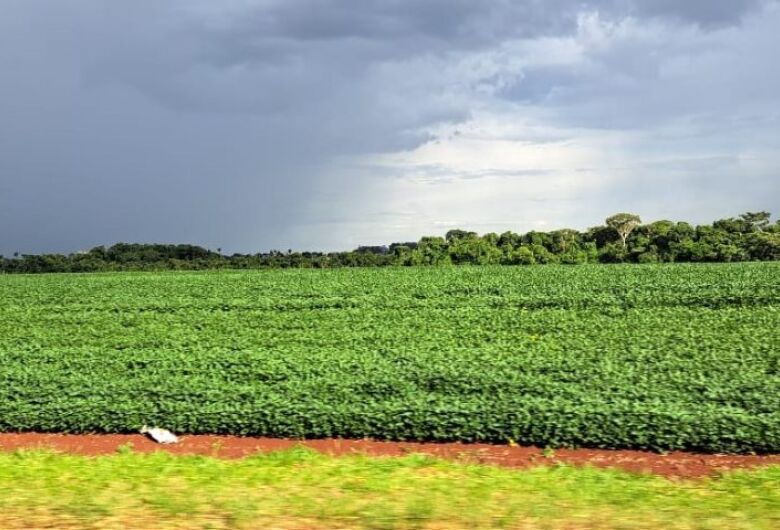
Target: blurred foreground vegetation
(300, 489)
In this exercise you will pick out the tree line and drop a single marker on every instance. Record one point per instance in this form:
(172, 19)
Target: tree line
(622, 239)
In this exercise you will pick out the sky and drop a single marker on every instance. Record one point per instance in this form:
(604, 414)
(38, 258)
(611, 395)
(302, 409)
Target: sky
(251, 125)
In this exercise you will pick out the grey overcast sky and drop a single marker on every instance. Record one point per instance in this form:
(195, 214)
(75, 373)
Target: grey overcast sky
(326, 124)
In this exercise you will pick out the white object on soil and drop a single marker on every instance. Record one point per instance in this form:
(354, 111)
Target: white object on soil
(161, 436)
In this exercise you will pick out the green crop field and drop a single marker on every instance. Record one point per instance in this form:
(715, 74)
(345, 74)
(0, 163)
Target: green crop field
(660, 357)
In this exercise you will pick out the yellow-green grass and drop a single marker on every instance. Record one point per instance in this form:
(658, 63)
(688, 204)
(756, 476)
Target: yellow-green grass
(299, 489)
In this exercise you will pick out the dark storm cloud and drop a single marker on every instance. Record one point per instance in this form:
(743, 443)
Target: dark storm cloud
(214, 122)
(458, 23)
(708, 13)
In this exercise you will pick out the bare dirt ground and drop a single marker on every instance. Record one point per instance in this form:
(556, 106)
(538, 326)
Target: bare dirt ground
(675, 464)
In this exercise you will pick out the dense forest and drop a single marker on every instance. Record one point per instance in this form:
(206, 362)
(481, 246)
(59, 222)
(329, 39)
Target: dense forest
(622, 239)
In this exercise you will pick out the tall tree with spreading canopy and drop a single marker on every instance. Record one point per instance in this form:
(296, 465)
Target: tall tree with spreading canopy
(757, 221)
(623, 224)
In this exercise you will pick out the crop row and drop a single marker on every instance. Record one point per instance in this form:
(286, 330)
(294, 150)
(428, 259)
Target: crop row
(659, 357)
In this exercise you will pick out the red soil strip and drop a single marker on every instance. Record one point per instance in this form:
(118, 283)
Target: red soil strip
(676, 464)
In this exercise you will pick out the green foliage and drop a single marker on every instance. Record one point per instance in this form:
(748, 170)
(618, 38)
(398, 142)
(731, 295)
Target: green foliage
(431, 251)
(653, 356)
(473, 250)
(521, 256)
(648, 257)
(613, 253)
(751, 237)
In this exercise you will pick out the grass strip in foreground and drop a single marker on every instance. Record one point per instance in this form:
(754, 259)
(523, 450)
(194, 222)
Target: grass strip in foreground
(300, 488)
